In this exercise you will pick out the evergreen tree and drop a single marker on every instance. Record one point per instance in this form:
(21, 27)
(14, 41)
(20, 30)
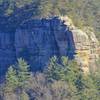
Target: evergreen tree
(81, 87)
(11, 79)
(67, 81)
(18, 79)
(63, 70)
(23, 73)
(53, 69)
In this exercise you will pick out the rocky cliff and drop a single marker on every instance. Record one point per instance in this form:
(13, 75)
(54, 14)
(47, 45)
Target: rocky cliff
(43, 39)
(86, 46)
(37, 40)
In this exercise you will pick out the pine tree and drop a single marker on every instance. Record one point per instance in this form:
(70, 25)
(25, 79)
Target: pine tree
(11, 79)
(23, 72)
(53, 70)
(17, 79)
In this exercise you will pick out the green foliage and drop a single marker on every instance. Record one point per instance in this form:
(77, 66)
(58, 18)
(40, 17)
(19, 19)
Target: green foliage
(12, 4)
(64, 71)
(96, 80)
(81, 87)
(54, 70)
(23, 68)
(23, 72)
(45, 8)
(18, 78)
(61, 80)
(98, 65)
(60, 71)
(82, 12)
(86, 88)
(11, 78)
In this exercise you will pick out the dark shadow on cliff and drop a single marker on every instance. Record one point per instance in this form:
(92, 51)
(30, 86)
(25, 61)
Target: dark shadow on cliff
(71, 45)
(44, 39)
(36, 41)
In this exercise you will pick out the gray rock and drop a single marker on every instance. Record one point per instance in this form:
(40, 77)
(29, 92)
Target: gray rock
(37, 40)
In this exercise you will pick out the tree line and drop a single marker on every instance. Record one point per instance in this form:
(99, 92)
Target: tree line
(61, 80)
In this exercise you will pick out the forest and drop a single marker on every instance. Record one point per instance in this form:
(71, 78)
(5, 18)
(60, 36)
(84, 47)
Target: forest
(58, 81)
(62, 78)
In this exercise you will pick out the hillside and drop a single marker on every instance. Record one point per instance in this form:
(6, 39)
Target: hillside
(49, 50)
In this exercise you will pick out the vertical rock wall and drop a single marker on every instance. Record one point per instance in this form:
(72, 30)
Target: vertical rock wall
(37, 40)
(43, 39)
(7, 51)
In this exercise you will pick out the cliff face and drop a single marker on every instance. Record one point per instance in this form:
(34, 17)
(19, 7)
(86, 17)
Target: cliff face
(86, 46)
(43, 39)
(38, 40)
(7, 51)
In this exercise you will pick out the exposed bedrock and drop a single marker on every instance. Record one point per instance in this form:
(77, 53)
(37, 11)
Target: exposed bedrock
(37, 40)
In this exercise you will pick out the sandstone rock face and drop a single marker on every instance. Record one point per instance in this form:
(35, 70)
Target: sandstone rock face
(86, 45)
(38, 40)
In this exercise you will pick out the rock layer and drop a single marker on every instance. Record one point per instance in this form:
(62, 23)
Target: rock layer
(86, 45)
(37, 40)
(43, 39)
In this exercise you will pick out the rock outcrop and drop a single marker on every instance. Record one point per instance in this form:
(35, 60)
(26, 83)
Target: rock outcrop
(37, 40)
(86, 46)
